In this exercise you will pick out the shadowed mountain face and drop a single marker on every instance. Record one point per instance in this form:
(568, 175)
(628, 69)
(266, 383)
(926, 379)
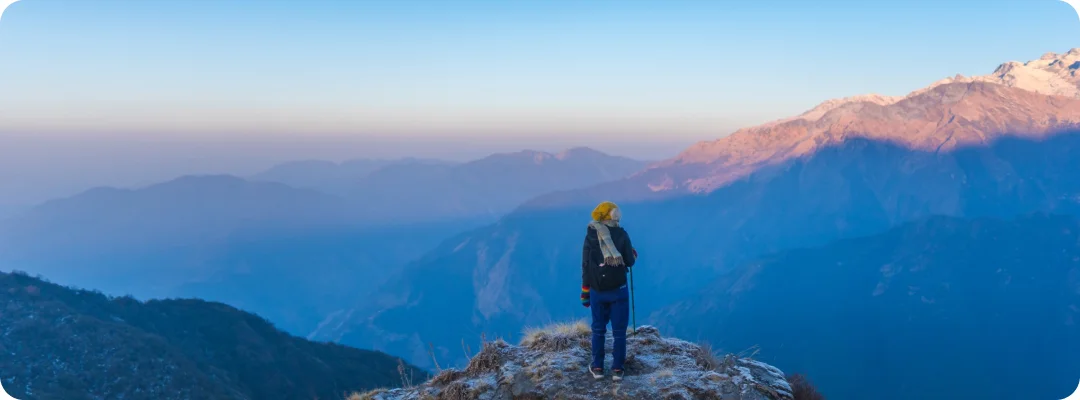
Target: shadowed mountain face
(525, 270)
(66, 344)
(918, 309)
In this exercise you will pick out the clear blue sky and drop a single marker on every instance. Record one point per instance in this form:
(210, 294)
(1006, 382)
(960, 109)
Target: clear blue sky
(597, 70)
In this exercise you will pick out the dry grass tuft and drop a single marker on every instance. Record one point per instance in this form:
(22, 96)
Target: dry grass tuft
(750, 352)
(370, 395)
(406, 379)
(489, 359)
(456, 391)
(706, 358)
(802, 389)
(557, 337)
(585, 343)
(431, 352)
(447, 376)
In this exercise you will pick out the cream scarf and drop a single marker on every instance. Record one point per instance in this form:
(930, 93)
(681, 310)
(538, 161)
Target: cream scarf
(612, 257)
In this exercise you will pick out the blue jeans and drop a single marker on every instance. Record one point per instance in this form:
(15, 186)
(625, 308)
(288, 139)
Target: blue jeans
(613, 306)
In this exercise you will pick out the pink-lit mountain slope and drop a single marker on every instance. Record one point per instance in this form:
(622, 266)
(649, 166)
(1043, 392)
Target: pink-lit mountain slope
(1029, 100)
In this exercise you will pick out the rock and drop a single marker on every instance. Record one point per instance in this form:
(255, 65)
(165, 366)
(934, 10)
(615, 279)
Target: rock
(552, 363)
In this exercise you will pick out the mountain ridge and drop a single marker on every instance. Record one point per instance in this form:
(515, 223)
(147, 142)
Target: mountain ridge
(1052, 74)
(66, 344)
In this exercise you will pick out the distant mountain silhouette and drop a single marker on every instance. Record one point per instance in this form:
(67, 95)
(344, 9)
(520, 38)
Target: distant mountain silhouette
(963, 149)
(60, 343)
(187, 209)
(402, 190)
(916, 309)
(331, 177)
(489, 187)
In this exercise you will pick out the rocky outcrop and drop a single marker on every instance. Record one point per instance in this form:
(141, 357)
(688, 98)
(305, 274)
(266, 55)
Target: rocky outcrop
(552, 363)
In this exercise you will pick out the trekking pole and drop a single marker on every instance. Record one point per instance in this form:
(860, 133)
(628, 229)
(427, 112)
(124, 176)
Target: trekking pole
(633, 313)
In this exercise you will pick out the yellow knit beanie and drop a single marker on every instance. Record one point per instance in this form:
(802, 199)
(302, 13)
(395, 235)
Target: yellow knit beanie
(604, 212)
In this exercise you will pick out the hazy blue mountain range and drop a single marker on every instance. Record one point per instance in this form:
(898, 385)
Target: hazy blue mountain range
(66, 344)
(489, 187)
(414, 190)
(154, 238)
(287, 253)
(182, 211)
(942, 308)
(332, 177)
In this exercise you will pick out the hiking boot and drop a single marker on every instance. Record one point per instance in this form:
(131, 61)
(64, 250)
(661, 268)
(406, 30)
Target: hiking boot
(616, 375)
(597, 373)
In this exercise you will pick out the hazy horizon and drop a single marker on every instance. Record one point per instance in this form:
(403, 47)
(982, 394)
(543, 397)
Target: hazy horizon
(72, 166)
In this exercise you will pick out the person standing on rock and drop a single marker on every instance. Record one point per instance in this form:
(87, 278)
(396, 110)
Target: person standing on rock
(605, 260)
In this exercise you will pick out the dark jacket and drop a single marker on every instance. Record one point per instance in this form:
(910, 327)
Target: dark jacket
(605, 278)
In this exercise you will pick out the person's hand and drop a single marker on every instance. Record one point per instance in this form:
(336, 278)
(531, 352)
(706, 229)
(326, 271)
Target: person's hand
(585, 296)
